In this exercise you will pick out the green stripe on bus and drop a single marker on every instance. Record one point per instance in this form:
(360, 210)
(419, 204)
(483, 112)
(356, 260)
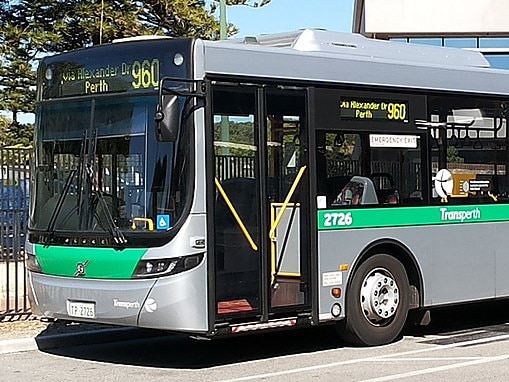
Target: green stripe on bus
(98, 263)
(411, 216)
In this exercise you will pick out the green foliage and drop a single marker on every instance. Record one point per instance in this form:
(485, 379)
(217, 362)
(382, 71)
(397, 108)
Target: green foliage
(453, 155)
(12, 134)
(85, 23)
(250, 3)
(183, 18)
(4, 125)
(241, 142)
(340, 145)
(33, 28)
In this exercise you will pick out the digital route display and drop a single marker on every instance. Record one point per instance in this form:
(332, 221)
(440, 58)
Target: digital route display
(376, 110)
(114, 68)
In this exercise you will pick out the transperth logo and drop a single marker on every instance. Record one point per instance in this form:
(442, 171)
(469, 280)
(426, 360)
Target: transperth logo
(446, 215)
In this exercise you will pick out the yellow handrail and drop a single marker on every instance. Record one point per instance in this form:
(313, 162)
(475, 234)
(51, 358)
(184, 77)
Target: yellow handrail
(143, 220)
(236, 215)
(272, 232)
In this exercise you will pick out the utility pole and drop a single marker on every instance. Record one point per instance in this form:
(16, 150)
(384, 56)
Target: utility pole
(222, 20)
(223, 35)
(225, 123)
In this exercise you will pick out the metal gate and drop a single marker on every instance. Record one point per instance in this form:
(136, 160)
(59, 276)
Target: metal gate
(14, 201)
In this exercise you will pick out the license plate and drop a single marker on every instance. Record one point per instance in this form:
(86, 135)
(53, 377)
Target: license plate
(81, 309)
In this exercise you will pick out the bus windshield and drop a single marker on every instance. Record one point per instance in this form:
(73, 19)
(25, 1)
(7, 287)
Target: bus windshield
(99, 169)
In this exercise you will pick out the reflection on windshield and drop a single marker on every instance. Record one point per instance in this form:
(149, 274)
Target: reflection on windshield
(123, 178)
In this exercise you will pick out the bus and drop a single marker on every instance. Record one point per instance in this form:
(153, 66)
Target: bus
(310, 178)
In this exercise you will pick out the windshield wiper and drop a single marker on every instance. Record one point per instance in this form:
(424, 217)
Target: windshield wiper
(118, 237)
(58, 206)
(50, 229)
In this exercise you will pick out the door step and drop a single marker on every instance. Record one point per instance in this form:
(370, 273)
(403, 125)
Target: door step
(234, 306)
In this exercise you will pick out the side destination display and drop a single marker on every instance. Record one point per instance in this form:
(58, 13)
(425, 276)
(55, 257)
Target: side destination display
(411, 216)
(374, 109)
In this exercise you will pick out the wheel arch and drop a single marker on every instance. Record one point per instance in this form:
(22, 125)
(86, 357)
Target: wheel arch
(402, 253)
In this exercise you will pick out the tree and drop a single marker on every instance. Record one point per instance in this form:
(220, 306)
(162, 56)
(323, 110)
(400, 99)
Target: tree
(453, 155)
(4, 126)
(16, 73)
(33, 28)
(185, 18)
(15, 135)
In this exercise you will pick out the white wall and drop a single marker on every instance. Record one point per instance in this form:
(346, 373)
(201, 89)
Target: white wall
(407, 17)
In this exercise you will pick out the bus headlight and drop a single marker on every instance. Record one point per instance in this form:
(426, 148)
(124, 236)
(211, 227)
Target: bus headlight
(32, 264)
(165, 267)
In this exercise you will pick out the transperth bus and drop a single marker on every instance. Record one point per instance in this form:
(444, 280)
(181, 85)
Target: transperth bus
(289, 180)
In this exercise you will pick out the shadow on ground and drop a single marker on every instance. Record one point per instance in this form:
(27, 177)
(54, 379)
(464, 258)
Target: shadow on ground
(178, 351)
(158, 349)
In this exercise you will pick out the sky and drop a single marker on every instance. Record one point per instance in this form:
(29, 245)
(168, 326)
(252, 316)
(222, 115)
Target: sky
(291, 15)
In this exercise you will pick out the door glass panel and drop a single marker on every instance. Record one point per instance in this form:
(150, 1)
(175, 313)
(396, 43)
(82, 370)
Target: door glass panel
(286, 182)
(237, 203)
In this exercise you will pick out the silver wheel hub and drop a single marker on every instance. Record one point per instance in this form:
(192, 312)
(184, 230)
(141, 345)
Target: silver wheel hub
(379, 296)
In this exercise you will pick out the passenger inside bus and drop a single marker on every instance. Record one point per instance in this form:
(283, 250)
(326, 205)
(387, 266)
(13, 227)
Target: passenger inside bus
(392, 199)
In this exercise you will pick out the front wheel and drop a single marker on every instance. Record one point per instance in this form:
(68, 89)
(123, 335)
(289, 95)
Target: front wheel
(376, 302)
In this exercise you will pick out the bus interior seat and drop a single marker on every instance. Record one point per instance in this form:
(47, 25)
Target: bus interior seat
(385, 188)
(360, 185)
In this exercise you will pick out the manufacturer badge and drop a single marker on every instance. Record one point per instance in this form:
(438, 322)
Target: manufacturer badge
(80, 269)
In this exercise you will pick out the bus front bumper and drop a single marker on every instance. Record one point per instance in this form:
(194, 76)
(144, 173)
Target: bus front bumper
(176, 303)
(102, 301)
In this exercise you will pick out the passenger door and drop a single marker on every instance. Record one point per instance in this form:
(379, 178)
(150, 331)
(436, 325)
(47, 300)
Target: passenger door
(287, 198)
(260, 179)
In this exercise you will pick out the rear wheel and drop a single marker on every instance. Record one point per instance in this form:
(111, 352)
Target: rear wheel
(376, 302)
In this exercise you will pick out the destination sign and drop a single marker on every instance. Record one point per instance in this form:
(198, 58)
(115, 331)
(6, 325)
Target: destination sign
(115, 68)
(376, 110)
(138, 74)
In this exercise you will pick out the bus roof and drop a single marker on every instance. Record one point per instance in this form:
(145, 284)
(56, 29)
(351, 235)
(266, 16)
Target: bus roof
(334, 57)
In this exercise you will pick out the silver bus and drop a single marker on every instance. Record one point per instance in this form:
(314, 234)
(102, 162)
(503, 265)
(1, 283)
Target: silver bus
(301, 179)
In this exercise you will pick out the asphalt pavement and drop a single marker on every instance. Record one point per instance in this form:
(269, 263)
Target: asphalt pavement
(25, 333)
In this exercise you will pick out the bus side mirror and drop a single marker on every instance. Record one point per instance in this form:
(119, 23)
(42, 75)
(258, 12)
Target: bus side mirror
(168, 118)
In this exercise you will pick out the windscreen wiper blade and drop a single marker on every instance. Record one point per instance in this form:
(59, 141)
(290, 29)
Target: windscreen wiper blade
(50, 230)
(118, 237)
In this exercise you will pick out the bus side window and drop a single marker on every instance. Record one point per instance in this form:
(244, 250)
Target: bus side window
(358, 191)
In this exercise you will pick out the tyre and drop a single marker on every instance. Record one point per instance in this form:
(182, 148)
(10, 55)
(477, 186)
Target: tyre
(376, 302)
